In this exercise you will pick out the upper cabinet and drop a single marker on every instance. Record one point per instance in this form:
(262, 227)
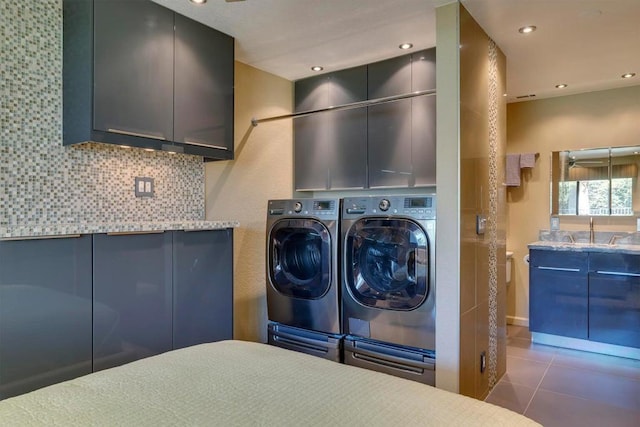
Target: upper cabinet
(138, 74)
(385, 145)
(330, 147)
(402, 133)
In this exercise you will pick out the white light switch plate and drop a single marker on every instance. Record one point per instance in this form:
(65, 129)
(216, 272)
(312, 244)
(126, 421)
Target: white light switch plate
(637, 224)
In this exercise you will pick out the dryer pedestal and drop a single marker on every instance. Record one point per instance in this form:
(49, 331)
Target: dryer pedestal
(404, 362)
(327, 346)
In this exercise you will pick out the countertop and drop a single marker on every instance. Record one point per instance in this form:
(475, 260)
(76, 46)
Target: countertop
(586, 247)
(59, 230)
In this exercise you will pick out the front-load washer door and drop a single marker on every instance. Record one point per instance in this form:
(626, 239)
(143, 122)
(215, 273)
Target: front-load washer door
(387, 263)
(300, 258)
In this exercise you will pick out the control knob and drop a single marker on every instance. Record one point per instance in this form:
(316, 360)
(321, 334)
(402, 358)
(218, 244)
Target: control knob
(297, 207)
(384, 205)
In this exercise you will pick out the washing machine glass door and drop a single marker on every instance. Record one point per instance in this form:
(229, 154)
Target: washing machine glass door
(300, 258)
(387, 263)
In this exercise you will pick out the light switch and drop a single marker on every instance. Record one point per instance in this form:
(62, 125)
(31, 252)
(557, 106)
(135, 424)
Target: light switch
(481, 223)
(143, 186)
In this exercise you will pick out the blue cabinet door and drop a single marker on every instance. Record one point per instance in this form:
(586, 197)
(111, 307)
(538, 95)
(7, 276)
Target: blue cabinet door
(614, 299)
(45, 312)
(558, 293)
(202, 287)
(131, 277)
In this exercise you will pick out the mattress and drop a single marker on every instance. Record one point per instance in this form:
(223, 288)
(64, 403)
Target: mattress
(236, 383)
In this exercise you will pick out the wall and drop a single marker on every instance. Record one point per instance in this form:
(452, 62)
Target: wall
(482, 192)
(42, 182)
(239, 189)
(590, 120)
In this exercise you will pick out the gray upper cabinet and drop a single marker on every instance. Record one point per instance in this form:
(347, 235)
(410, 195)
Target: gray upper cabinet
(382, 146)
(138, 74)
(402, 137)
(133, 91)
(45, 312)
(203, 86)
(330, 147)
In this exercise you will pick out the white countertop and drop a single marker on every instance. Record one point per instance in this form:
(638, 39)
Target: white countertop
(59, 230)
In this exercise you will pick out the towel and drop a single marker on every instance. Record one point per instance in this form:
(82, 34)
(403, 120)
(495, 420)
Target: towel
(513, 170)
(527, 160)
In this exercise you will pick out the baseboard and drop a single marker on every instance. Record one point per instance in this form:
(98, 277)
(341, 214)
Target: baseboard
(518, 321)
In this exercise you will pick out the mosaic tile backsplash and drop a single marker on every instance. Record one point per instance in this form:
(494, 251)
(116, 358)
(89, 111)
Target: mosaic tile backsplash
(44, 183)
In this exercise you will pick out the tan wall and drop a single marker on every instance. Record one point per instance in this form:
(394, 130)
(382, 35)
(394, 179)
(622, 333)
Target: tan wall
(239, 189)
(598, 119)
(482, 256)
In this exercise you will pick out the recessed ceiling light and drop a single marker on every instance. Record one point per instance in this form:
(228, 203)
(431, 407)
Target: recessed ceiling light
(198, 1)
(316, 68)
(561, 86)
(526, 30)
(628, 75)
(406, 46)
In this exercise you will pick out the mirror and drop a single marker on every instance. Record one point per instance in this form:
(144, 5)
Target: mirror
(592, 182)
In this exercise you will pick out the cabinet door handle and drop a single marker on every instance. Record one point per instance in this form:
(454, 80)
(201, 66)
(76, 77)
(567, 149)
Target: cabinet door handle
(200, 144)
(618, 273)
(49, 236)
(142, 135)
(575, 270)
(131, 233)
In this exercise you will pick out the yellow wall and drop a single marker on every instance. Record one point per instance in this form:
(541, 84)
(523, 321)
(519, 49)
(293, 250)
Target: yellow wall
(597, 119)
(239, 189)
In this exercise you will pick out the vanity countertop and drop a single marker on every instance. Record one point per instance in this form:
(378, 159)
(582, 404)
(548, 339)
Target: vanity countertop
(59, 230)
(586, 247)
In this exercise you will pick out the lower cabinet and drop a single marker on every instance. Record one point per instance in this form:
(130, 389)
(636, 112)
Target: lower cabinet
(132, 294)
(614, 299)
(70, 306)
(593, 296)
(202, 290)
(45, 312)
(558, 293)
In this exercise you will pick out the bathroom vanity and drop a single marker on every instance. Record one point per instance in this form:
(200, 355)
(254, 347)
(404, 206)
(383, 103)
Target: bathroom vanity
(585, 296)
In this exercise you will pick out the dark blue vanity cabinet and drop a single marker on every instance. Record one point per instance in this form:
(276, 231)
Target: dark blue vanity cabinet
(135, 73)
(45, 312)
(593, 295)
(132, 277)
(558, 293)
(330, 147)
(202, 287)
(614, 299)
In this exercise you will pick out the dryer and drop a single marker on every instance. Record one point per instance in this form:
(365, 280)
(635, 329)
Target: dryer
(388, 284)
(303, 286)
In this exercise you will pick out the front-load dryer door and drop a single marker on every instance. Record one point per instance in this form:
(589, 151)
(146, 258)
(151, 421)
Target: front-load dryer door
(300, 258)
(387, 263)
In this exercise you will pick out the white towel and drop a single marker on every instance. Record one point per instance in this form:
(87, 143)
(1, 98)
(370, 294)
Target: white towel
(513, 170)
(527, 160)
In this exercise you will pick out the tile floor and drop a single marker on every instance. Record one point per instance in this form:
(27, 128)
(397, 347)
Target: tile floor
(561, 387)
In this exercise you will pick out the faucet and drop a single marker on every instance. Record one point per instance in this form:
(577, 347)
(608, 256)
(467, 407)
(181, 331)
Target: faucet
(571, 239)
(591, 234)
(612, 240)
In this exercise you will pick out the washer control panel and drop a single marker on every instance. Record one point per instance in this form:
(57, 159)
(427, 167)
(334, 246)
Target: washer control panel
(320, 208)
(418, 207)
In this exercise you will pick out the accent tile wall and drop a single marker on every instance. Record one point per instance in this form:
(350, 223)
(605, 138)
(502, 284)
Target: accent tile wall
(42, 182)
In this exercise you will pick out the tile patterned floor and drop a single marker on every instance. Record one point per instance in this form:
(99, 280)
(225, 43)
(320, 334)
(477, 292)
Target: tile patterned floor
(561, 387)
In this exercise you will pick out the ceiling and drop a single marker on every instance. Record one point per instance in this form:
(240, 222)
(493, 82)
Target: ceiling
(586, 44)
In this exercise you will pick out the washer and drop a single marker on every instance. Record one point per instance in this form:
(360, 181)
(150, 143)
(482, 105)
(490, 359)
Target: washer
(388, 287)
(303, 286)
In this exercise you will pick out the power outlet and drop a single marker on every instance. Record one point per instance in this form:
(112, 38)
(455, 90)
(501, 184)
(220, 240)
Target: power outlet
(144, 186)
(638, 224)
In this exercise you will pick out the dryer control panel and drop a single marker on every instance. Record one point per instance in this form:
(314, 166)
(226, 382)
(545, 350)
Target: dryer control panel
(319, 208)
(417, 207)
